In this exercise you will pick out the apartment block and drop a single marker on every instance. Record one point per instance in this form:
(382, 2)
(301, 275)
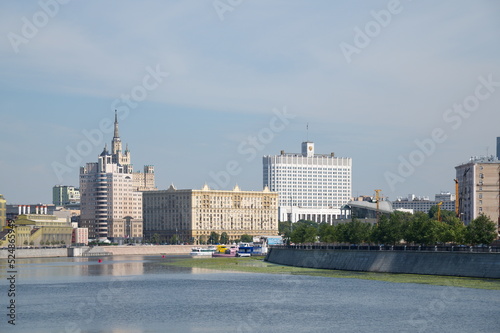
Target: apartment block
(192, 215)
(479, 188)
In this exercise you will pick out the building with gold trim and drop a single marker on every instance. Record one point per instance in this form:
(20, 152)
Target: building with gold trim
(39, 230)
(192, 215)
(3, 212)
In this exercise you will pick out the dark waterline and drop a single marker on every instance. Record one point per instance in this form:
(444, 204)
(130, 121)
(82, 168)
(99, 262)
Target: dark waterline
(136, 294)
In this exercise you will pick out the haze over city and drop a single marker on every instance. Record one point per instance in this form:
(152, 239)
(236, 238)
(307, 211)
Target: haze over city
(204, 89)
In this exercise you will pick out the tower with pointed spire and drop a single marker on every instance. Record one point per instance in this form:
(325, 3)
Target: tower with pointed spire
(117, 142)
(111, 193)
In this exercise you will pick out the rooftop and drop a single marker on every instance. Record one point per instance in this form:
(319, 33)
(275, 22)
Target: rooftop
(482, 159)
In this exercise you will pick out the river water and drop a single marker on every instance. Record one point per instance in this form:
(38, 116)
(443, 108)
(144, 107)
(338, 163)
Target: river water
(136, 294)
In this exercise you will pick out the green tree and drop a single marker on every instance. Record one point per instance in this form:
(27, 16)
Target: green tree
(298, 234)
(284, 227)
(481, 230)
(155, 239)
(174, 239)
(310, 234)
(285, 230)
(341, 233)
(433, 213)
(202, 239)
(357, 232)
(224, 238)
(304, 232)
(245, 238)
(326, 233)
(32, 243)
(421, 229)
(214, 238)
(454, 230)
(25, 242)
(389, 230)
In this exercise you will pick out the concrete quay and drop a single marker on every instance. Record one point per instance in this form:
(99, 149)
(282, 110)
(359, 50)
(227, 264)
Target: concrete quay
(481, 265)
(98, 251)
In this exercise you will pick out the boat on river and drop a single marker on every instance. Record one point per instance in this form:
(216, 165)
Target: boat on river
(245, 251)
(225, 251)
(202, 252)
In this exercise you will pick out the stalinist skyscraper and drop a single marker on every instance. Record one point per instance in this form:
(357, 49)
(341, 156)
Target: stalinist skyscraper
(111, 194)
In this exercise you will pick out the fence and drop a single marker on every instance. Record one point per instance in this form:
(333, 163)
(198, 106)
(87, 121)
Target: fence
(450, 248)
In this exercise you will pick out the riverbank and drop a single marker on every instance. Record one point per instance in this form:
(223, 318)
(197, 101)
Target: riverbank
(460, 264)
(98, 251)
(258, 265)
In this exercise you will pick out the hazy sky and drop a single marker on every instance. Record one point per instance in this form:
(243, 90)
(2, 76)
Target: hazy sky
(205, 88)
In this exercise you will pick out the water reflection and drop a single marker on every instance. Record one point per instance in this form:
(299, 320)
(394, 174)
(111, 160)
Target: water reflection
(137, 294)
(40, 269)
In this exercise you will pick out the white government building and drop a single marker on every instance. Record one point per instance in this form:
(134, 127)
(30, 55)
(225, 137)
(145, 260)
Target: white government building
(310, 186)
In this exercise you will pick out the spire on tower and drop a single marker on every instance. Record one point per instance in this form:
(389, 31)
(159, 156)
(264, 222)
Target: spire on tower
(117, 142)
(116, 135)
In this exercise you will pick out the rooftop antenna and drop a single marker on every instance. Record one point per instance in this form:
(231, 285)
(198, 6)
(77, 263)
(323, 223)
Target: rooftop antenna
(307, 130)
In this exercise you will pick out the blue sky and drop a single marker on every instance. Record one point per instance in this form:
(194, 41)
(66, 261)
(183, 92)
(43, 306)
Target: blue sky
(375, 80)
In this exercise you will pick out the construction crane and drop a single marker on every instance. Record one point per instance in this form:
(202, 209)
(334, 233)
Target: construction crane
(439, 210)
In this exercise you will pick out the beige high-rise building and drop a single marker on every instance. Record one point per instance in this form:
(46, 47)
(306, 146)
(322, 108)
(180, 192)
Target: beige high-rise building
(479, 189)
(192, 215)
(111, 194)
(3, 212)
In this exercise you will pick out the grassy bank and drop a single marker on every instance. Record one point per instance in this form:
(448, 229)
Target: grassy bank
(258, 265)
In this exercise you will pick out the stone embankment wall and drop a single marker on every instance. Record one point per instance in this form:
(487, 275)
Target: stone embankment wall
(148, 249)
(35, 253)
(483, 265)
(96, 250)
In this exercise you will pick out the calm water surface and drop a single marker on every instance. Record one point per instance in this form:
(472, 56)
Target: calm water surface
(136, 294)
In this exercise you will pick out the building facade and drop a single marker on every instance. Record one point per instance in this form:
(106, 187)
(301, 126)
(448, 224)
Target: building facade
(423, 204)
(192, 215)
(479, 188)
(41, 229)
(80, 235)
(498, 148)
(310, 186)
(110, 194)
(63, 195)
(3, 212)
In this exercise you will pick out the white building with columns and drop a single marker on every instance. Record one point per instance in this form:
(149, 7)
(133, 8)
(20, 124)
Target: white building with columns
(311, 186)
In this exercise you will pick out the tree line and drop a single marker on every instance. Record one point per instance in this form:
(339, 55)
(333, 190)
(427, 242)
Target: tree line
(399, 227)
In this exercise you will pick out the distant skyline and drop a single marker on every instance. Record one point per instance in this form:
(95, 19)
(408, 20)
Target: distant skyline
(407, 89)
